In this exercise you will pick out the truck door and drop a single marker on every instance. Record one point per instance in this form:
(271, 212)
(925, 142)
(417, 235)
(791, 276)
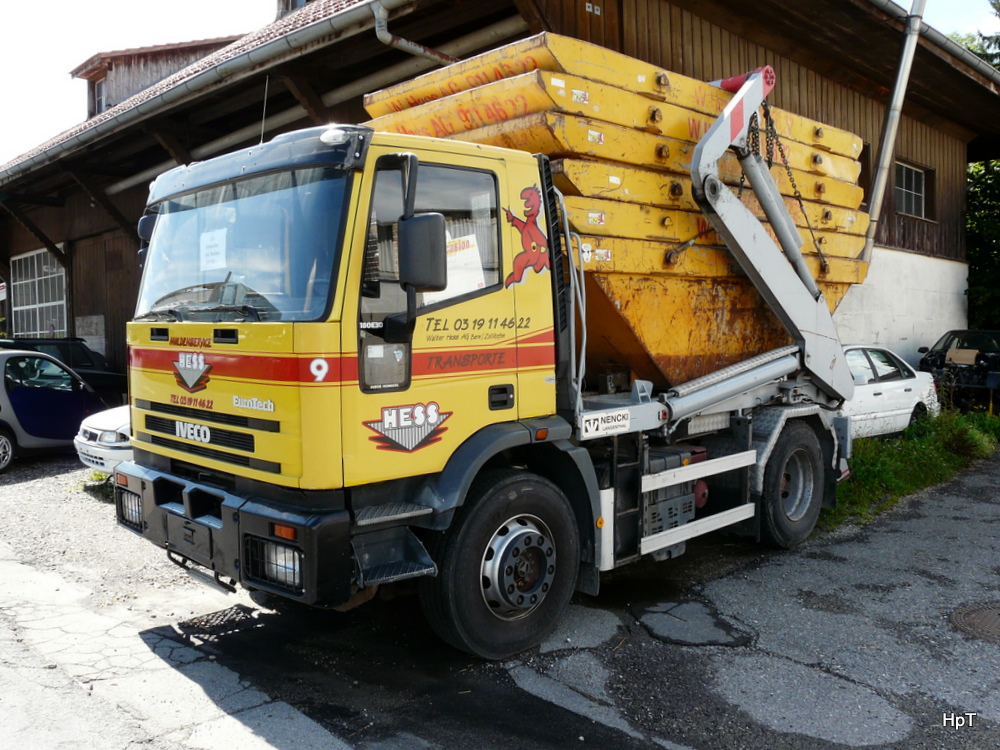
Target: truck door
(415, 402)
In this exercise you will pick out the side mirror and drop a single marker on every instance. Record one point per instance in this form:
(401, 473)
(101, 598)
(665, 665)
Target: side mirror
(860, 380)
(923, 350)
(145, 227)
(422, 253)
(422, 268)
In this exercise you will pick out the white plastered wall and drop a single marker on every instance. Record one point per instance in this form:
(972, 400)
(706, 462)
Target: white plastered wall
(907, 301)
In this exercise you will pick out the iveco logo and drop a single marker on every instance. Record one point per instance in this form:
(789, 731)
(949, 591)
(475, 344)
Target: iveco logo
(188, 431)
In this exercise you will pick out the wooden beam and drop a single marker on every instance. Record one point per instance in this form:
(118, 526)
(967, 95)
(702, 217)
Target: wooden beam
(306, 96)
(34, 200)
(101, 198)
(173, 146)
(533, 16)
(38, 234)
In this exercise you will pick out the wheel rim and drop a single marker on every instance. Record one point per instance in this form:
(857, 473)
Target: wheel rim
(797, 486)
(6, 451)
(519, 566)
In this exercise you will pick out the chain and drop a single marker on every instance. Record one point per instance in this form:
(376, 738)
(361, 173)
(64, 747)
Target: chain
(773, 140)
(753, 144)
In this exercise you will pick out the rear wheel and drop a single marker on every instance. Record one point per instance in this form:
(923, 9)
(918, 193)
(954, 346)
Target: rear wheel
(793, 487)
(8, 448)
(919, 414)
(506, 568)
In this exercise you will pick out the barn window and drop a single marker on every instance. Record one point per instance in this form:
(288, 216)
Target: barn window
(100, 97)
(38, 295)
(914, 191)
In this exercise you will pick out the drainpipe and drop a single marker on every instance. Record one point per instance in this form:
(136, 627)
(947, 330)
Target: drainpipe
(397, 42)
(888, 142)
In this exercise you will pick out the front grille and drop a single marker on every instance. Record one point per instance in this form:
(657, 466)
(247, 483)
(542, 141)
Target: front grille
(129, 509)
(224, 438)
(277, 565)
(204, 452)
(203, 415)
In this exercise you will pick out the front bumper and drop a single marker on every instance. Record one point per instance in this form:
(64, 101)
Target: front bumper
(299, 553)
(100, 457)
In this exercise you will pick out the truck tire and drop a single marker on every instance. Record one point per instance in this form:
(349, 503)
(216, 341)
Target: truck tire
(506, 568)
(8, 449)
(793, 487)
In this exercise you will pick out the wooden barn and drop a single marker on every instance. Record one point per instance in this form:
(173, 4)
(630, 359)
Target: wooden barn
(70, 206)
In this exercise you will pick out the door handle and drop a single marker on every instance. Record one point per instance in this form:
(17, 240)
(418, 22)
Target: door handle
(877, 393)
(501, 397)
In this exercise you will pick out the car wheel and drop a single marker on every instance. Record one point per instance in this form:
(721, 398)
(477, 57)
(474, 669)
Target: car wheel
(8, 448)
(793, 487)
(919, 414)
(506, 568)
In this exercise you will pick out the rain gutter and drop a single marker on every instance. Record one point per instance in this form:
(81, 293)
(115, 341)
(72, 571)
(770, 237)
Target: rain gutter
(400, 72)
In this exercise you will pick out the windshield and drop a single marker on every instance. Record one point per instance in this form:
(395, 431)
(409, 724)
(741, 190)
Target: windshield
(263, 248)
(986, 341)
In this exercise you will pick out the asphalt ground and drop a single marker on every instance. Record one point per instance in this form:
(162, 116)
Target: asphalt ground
(854, 639)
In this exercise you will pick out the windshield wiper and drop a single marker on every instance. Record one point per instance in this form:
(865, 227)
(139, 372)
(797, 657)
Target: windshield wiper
(247, 311)
(170, 313)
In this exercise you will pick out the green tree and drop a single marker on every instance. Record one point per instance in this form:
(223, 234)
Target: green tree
(982, 223)
(982, 228)
(988, 45)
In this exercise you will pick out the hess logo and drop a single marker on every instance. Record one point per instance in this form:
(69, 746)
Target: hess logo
(191, 371)
(408, 428)
(197, 432)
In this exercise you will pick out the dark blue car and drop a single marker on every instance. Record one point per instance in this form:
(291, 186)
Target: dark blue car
(41, 404)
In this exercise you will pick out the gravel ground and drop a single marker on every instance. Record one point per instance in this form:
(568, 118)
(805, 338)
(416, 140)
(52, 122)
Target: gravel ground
(68, 526)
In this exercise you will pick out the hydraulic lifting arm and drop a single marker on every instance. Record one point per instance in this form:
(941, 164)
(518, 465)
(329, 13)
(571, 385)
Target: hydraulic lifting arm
(782, 278)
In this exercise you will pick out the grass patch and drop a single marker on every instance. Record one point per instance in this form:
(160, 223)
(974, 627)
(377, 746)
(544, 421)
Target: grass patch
(98, 485)
(927, 453)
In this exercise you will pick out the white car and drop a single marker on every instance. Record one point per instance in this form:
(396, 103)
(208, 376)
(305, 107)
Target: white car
(103, 441)
(888, 393)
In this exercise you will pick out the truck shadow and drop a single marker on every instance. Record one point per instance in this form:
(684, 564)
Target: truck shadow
(374, 675)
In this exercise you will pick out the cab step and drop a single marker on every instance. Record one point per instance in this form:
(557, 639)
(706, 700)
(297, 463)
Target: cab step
(374, 515)
(387, 555)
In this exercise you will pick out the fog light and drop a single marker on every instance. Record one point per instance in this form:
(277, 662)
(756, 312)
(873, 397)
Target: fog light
(281, 565)
(129, 509)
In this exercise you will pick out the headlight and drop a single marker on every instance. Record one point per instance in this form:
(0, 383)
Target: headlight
(112, 437)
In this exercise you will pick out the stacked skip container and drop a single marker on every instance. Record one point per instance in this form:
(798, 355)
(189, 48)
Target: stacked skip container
(522, 371)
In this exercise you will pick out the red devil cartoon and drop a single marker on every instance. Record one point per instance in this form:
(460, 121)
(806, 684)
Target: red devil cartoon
(535, 248)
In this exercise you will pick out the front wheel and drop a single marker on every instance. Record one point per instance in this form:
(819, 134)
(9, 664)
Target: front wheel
(506, 568)
(8, 449)
(793, 487)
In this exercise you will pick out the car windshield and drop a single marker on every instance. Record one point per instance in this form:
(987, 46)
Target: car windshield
(984, 341)
(264, 248)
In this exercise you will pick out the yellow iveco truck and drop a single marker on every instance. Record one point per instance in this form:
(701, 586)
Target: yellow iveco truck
(361, 357)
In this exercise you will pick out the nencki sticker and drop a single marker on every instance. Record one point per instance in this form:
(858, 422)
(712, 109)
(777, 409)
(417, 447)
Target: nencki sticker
(191, 371)
(409, 428)
(606, 423)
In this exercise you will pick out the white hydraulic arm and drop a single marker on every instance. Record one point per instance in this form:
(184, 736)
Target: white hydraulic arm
(782, 278)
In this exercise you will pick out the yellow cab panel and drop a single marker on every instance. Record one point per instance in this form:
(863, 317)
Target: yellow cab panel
(472, 351)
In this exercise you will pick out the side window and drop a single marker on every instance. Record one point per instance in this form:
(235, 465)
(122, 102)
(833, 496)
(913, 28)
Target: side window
(858, 364)
(885, 366)
(914, 191)
(34, 372)
(468, 200)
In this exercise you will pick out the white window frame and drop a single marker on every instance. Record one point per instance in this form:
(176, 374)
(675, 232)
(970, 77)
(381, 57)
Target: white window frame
(38, 295)
(911, 194)
(100, 95)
